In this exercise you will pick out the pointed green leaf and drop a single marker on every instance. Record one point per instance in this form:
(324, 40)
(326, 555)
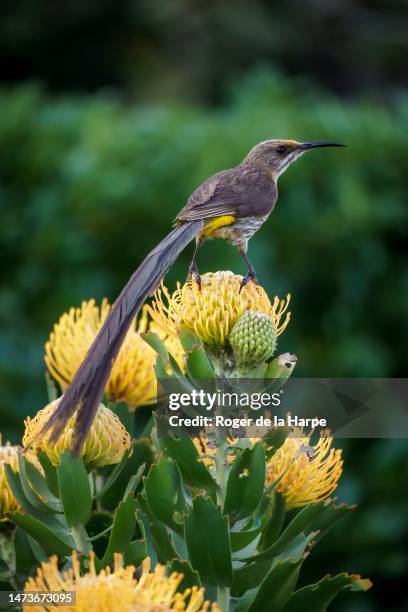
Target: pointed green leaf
(157, 534)
(135, 552)
(160, 368)
(317, 597)
(50, 472)
(199, 367)
(193, 471)
(38, 510)
(188, 339)
(281, 366)
(245, 483)
(25, 558)
(248, 577)
(48, 539)
(75, 490)
(272, 521)
(277, 587)
(31, 495)
(302, 521)
(208, 544)
(39, 484)
(164, 494)
(241, 539)
(274, 439)
(156, 344)
(141, 453)
(123, 528)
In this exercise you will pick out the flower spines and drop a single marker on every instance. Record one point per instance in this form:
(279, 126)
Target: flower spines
(117, 588)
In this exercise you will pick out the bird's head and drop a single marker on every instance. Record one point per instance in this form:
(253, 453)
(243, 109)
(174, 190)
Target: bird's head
(274, 156)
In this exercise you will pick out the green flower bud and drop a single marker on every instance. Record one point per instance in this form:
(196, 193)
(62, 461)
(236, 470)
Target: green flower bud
(253, 338)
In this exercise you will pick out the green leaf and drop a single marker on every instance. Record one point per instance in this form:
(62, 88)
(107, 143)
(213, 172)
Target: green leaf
(188, 339)
(199, 367)
(113, 476)
(156, 344)
(248, 577)
(40, 485)
(281, 367)
(19, 493)
(156, 534)
(37, 550)
(245, 483)
(75, 490)
(115, 487)
(332, 513)
(273, 521)
(28, 491)
(25, 558)
(48, 539)
(191, 577)
(135, 552)
(207, 539)
(277, 587)
(123, 528)
(317, 597)
(160, 368)
(241, 539)
(50, 472)
(164, 493)
(134, 482)
(193, 471)
(302, 521)
(274, 439)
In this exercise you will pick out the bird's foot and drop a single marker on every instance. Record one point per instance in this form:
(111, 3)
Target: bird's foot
(194, 275)
(250, 276)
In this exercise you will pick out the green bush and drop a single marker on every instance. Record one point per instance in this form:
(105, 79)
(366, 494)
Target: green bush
(89, 185)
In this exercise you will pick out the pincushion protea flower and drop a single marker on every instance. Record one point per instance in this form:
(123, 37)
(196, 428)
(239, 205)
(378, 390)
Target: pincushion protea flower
(8, 503)
(310, 476)
(117, 589)
(303, 477)
(106, 443)
(132, 379)
(212, 310)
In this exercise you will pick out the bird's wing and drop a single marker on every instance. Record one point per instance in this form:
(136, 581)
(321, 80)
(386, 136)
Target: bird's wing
(239, 192)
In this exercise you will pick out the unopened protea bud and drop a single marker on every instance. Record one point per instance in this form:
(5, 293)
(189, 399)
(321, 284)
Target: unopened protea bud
(253, 338)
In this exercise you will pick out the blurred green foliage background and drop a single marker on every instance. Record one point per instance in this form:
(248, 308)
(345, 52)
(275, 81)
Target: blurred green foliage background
(112, 113)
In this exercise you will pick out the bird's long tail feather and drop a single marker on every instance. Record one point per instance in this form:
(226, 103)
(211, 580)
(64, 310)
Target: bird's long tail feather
(87, 387)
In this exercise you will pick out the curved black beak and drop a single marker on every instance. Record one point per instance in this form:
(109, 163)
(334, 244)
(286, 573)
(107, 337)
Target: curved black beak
(320, 143)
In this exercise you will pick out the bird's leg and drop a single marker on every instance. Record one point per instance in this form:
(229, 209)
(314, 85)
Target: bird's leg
(251, 274)
(193, 268)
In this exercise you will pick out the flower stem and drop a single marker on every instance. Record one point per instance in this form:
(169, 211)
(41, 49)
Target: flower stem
(223, 598)
(223, 592)
(81, 538)
(220, 469)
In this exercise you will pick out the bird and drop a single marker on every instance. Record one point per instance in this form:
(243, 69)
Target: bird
(232, 204)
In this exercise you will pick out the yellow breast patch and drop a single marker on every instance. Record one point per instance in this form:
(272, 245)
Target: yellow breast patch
(217, 222)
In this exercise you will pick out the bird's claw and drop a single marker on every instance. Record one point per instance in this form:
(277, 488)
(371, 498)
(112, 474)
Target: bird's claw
(251, 276)
(194, 275)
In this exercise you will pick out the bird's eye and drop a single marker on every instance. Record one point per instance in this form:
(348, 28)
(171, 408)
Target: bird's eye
(281, 149)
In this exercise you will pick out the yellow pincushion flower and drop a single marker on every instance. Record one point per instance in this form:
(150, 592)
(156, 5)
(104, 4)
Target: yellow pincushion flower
(311, 477)
(212, 310)
(132, 379)
(105, 444)
(8, 503)
(110, 591)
